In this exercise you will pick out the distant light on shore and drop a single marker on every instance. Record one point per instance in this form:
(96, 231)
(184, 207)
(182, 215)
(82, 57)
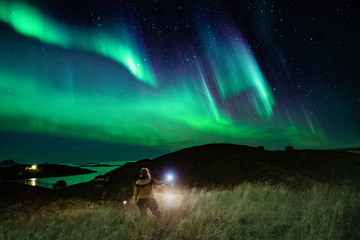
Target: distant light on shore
(33, 167)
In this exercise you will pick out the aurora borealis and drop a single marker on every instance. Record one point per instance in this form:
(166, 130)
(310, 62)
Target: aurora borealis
(137, 79)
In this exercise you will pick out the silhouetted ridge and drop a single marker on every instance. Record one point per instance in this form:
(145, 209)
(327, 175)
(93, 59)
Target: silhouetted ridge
(225, 165)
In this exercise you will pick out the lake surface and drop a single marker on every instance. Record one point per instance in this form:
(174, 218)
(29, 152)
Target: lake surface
(75, 179)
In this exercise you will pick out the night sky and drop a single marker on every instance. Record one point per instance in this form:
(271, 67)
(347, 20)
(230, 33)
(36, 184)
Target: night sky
(125, 80)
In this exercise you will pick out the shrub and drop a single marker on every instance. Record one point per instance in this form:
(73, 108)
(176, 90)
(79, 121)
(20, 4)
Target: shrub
(289, 148)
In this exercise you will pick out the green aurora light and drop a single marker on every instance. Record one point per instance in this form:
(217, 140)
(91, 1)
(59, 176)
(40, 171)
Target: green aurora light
(187, 110)
(143, 120)
(32, 23)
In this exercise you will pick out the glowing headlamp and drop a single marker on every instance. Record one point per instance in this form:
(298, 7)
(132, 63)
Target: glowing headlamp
(170, 177)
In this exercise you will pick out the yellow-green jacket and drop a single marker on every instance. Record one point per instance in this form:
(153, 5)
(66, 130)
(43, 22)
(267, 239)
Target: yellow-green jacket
(144, 188)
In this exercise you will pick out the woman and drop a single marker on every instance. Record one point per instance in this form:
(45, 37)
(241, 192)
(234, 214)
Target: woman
(143, 193)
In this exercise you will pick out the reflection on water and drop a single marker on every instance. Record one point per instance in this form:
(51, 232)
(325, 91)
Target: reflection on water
(43, 182)
(74, 179)
(31, 181)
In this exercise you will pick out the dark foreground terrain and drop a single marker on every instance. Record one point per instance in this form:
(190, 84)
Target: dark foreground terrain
(220, 191)
(210, 166)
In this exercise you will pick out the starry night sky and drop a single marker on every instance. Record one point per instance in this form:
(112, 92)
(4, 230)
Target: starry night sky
(124, 80)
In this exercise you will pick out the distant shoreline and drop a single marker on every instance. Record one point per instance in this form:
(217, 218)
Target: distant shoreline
(24, 171)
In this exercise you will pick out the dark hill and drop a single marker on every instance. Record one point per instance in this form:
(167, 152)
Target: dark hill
(8, 163)
(223, 165)
(14, 193)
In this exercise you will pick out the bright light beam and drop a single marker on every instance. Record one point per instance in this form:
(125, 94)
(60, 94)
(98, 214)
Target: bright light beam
(170, 177)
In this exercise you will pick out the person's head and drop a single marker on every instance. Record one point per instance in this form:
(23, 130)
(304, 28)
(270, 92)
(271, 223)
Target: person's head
(145, 173)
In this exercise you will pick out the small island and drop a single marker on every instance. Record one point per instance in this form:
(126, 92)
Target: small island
(96, 165)
(14, 171)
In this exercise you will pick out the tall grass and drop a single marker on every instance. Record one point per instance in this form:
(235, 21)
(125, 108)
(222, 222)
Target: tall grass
(248, 211)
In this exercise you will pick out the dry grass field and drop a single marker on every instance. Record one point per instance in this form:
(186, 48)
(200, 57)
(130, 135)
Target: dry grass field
(247, 211)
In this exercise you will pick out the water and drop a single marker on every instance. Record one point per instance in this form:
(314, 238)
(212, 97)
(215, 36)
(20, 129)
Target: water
(74, 179)
(358, 152)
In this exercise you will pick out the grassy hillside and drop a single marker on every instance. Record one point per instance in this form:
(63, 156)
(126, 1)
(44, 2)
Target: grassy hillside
(223, 191)
(248, 211)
